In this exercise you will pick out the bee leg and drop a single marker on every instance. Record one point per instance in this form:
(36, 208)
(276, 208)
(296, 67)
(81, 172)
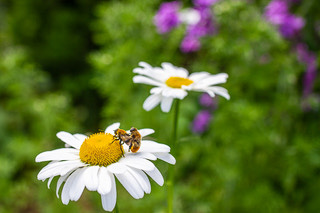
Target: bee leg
(129, 147)
(122, 151)
(120, 144)
(114, 139)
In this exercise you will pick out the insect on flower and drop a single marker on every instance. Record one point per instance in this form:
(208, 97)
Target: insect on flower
(94, 162)
(133, 140)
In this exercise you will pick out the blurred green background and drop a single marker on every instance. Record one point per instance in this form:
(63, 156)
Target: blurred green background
(67, 65)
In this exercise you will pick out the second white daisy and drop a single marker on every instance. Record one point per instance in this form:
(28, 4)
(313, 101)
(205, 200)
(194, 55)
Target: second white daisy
(173, 82)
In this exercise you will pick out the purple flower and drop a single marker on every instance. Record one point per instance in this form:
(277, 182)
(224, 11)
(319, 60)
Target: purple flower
(308, 80)
(207, 101)
(310, 60)
(167, 17)
(201, 122)
(276, 11)
(190, 44)
(205, 26)
(291, 26)
(304, 55)
(204, 3)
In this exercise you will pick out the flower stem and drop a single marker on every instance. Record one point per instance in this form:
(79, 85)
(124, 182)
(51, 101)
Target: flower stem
(116, 209)
(170, 181)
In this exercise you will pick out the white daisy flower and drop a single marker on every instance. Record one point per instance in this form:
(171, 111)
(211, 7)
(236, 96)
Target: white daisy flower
(94, 162)
(173, 82)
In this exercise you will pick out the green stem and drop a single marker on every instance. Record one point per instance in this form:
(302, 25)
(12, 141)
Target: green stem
(116, 209)
(170, 181)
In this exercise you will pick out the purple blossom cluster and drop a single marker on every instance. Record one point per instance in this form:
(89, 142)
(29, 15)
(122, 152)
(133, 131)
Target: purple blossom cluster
(202, 120)
(277, 12)
(309, 59)
(199, 21)
(167, 17)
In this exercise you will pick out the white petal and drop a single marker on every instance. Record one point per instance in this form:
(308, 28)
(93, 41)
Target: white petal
(175, 93)
(197, 76)
(220, 91)
(213, 79)
(104, 186)
(49, 181)
(80, 137)
(142, 179)
(156, 176)
(139, 79)
(151, 102)
(90, 177)
(151, 146)
(145, 155)
(117, 168)
(154, 73)
(110, 129)
(58, 154)
(65, 194)
(78, 184)
(210, 92)
(145, 132)
(137, 162)
(59, 168)
(109, 200)
(157, 90)
(165, 157)
(60, 181)
(174, 71)
(130, 184)
(145, 65)
(69, 139)
(166, 104)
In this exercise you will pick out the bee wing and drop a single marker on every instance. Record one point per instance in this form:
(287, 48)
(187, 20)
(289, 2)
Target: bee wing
(149, 138)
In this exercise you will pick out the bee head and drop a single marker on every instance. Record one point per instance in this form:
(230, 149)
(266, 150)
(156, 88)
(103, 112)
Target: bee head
(133, 129)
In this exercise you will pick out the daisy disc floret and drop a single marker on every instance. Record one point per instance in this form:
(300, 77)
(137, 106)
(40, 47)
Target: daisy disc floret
(93, 162)
(174, 82)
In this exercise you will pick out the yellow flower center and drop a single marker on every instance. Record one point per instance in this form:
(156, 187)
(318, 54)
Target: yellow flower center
(100, 149)
(177, 82)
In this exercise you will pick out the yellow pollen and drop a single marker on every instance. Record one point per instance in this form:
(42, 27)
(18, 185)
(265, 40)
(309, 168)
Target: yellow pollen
(177, 82)
(100, 149)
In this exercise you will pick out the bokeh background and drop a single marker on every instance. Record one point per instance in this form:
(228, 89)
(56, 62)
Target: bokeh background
(67, 65)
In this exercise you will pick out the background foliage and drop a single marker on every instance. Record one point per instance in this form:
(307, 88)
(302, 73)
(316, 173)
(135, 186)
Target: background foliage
(67, 65)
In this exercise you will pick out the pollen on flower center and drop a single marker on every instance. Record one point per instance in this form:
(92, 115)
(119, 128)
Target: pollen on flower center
(100, 149)
(177, 82)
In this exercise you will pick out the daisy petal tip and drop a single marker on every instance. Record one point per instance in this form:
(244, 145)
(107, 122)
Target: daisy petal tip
(110, 129)
(173, 162)
(136, 70)
(166, 110)
(143, 64)
(147, 108)
(146, 131)
(37, 159)
(163, 64)
(61, 134)
(135, 79)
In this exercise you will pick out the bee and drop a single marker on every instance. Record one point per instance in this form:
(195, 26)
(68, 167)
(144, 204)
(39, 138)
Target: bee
(133, 140)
